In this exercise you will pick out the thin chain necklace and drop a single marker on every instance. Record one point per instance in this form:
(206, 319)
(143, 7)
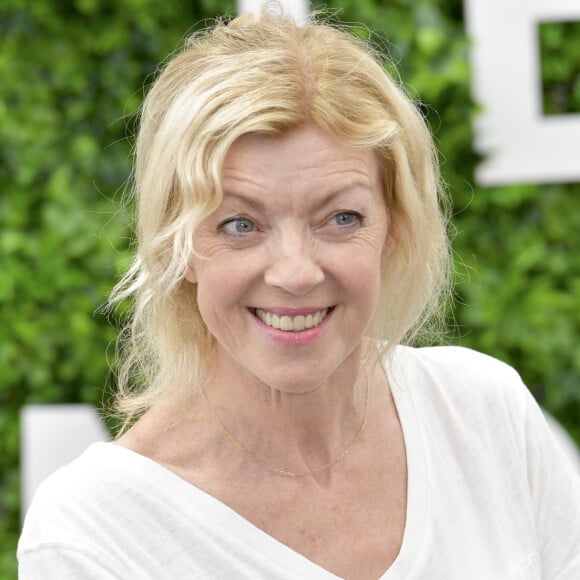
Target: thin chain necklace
(272, 468)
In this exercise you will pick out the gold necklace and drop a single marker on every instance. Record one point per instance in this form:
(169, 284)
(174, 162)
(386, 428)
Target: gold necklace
(272, 468)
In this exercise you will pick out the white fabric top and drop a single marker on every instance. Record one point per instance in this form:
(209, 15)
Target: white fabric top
(490, 497)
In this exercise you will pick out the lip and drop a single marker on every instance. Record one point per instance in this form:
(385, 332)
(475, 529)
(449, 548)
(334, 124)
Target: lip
(293, 311)
(292, 338)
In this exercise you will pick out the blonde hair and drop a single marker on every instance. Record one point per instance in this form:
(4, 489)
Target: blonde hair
(266, 75)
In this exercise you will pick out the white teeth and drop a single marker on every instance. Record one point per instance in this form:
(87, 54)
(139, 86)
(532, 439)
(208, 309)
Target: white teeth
(299, 323)
(292, 323)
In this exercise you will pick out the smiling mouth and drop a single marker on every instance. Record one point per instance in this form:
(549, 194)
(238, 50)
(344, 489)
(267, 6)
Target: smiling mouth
(292, 323)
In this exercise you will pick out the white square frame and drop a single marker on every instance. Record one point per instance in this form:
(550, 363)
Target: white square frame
(519, 143)
(298, 9)
(52, 436)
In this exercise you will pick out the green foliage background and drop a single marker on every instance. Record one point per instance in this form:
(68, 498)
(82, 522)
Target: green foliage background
(72, 75)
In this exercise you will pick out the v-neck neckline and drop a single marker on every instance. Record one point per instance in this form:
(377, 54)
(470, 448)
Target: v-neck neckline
(289, 559)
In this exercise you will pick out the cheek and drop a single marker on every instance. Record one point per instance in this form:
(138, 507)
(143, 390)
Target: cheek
(214, 291)
(221, 286)
(360, 272)
(215, 307)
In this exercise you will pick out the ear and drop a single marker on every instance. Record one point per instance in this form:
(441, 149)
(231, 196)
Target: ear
(191, 274)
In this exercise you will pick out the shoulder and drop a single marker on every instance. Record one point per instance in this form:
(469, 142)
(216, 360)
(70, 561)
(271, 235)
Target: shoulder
(109, 510)
(80, 496)
(456, 380)
(459, 399)
(455, 365)
(102, 464)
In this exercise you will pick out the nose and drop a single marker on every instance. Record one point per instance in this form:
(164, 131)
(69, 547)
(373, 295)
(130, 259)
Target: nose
(293, 267)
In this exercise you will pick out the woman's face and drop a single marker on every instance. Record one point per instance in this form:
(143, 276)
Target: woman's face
(289, 276)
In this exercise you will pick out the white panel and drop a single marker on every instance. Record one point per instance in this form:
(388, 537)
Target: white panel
(519, 143)
(298, 9)
(52, 436)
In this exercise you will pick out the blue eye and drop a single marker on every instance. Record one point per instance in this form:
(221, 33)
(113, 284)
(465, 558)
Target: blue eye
(347, 218)
(238, 226)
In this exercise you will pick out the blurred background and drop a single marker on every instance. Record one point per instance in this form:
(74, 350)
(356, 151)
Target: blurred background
(72, 76)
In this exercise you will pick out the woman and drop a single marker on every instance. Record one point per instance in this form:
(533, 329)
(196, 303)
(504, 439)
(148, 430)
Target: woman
(289, 237)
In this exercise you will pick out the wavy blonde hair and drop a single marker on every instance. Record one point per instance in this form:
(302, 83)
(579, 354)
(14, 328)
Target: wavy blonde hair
(266, 75)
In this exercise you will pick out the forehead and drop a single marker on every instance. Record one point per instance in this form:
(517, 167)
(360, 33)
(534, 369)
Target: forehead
(303, 155)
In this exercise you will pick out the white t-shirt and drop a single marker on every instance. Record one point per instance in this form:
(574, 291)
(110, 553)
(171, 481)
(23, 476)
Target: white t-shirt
(490, 497)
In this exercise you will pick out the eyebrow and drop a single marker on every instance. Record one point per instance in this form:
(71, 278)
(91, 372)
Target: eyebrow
(257, 204)
(254, 202)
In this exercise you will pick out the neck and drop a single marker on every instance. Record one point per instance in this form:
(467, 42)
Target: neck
(287, 432)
